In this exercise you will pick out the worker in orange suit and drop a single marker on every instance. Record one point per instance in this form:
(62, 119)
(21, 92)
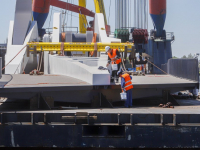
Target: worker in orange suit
(114, 57)
(127, 86)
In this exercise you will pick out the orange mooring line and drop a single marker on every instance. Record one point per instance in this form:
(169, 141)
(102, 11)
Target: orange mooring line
(94, 39)
(13, 58)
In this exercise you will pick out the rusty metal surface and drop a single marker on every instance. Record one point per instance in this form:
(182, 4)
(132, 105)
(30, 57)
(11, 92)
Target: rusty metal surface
(99, 136)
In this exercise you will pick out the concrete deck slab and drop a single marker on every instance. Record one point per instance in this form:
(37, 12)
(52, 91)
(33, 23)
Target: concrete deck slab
(21, 80)
(69, 89)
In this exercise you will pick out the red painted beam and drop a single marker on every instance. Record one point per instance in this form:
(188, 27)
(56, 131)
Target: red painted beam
(71, 7)
(41, 6)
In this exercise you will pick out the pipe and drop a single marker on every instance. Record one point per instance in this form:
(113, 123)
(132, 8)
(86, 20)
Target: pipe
(0, 67)
(138, 21)
(135, 13)
(115, 14)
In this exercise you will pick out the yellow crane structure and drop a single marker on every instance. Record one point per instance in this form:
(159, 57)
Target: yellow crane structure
(82, 18)
(99, 8)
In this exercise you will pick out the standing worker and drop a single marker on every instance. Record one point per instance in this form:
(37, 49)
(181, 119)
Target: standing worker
(126, 85)
(114, 57)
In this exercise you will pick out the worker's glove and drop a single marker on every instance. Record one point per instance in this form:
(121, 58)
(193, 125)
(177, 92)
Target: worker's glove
(124, 90)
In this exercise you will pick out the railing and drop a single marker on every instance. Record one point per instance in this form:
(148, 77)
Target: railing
(98, 119)
(3, 48)
(50, 30)
(169, 36)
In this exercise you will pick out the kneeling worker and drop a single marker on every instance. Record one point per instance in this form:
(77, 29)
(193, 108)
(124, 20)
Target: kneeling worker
(126, 85)
(115, 58)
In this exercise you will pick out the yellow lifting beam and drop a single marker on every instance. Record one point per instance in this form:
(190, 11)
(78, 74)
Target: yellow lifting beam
(82, 18)
(83, 47)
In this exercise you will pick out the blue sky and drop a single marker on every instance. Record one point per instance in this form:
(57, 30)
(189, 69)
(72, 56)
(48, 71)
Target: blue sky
(183, 18)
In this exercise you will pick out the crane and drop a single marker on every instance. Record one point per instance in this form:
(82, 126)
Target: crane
(41, 11)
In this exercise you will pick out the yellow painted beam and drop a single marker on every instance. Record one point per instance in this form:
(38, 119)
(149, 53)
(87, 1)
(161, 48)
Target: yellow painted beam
(103, 11)
(82, 18)
(82, 47)
(99, 8)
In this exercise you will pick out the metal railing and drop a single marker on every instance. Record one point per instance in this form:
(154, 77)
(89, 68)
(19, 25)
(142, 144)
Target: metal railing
(3, 47)
(50, 30)
(169, 36)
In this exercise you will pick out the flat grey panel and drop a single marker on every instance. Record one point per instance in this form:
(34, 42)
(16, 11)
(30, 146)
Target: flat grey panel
(97, 38)
(184, 68)
(78, 37)
(68, 36)
(89, 36)
(23, 13)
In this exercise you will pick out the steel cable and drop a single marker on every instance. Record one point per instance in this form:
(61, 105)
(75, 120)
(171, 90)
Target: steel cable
(13, 58)
(124, 68)
(109, 13)
(155, 66)
(50, 16)
(41, 58)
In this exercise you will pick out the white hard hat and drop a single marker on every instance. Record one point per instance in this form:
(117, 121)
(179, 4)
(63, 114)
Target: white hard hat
(107, 48)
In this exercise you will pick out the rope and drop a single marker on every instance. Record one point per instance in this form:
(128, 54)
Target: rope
(124, 68)
(50, 18)
(41, 61)
(109, 13)
(63, 26)
(67, 8)
(23, 66)
(13, 58)
(38, 65)
(66, 12)
(156, 66)
(71, 19)
(122, 63)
